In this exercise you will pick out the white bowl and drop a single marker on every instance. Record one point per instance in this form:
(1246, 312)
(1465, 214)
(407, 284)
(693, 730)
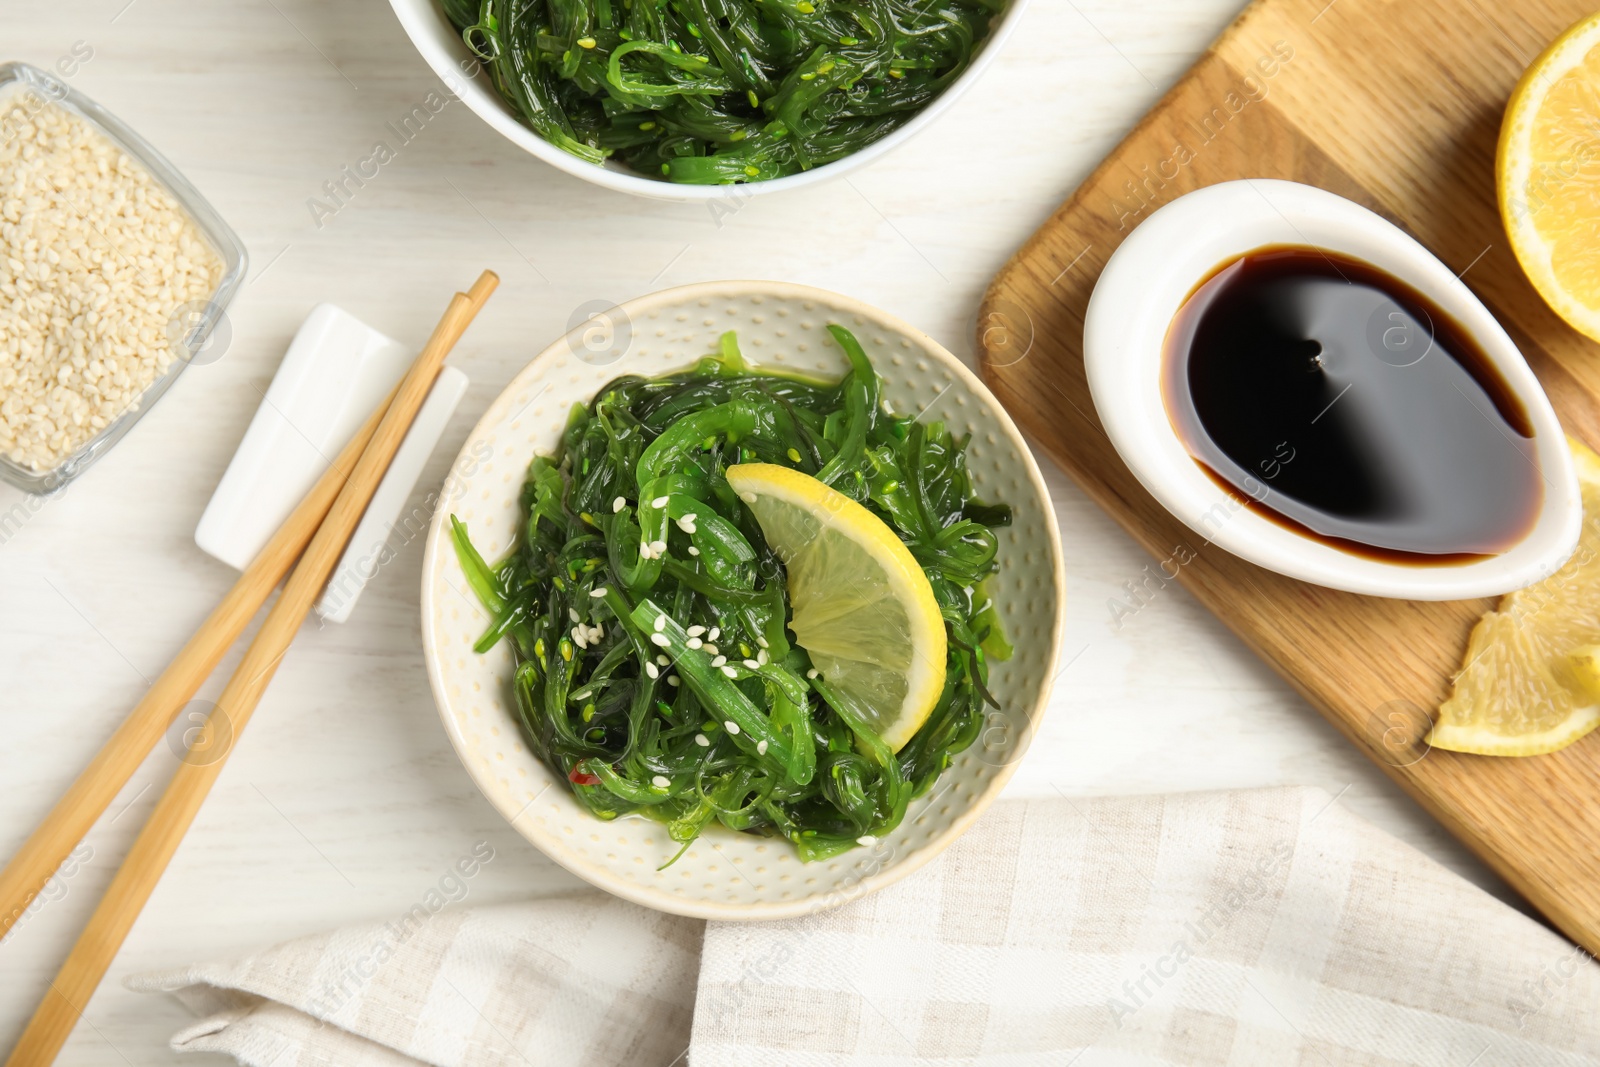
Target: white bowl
(425, 23)
(728, 875)
(1148, 278)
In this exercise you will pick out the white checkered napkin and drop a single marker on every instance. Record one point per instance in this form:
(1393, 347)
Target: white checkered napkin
(1261, 928)
(588, 980)
(1266, 928)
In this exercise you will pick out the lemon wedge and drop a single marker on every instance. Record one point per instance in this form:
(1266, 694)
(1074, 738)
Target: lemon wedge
(860, 604)
(1530, 682)
(1547, 170)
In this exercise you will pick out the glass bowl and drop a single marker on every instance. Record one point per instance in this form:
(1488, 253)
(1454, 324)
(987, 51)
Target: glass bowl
(196, 327)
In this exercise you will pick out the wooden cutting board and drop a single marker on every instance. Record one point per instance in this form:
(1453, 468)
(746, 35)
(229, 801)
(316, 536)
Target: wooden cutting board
(1395, 104)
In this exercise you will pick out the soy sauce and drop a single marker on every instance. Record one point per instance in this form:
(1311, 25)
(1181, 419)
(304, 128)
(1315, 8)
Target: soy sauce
(1344, 404)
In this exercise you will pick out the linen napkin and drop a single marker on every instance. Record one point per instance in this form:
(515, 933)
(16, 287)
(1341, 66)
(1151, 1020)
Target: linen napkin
(1263, 927)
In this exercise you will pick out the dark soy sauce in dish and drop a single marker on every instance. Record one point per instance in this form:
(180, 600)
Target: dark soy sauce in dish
(1342, 403)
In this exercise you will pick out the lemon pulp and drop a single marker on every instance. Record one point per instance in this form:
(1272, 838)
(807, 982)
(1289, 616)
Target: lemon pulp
(860, 604)
(1526, 685)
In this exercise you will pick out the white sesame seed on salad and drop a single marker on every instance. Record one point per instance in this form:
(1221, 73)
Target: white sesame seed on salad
(690, 517)
(664, 661)
(702, 740)
(658, 547)
(578, 637)
(866, 839)
(644, 549)
(659, 502)
(661, 781)
(695, 631)
(730, 672)
(618, 504)
(711, 650)
(660, 623)
(719, 661)
(660, 640)
(674, 681)
(761, 748)
(652, 670)
(598, 591)
(597, 633)
(751, 665)
(716, 632)
(694, 642)
(572, 613)
(813, 673)
(693, 551)
(732, 727)
(762, 658)
(762, 642)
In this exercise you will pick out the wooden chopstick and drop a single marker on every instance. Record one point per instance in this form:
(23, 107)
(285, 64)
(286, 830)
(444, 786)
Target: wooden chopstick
(86, 800)
(80, 975)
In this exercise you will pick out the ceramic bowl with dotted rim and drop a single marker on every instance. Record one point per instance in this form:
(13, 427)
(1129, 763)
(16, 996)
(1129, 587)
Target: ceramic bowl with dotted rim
(725, 874)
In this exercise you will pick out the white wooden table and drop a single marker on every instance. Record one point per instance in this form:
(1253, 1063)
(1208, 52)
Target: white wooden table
(344, 801)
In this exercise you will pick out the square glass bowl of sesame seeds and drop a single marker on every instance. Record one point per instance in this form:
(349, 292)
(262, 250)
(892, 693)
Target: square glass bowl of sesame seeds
(114, 271)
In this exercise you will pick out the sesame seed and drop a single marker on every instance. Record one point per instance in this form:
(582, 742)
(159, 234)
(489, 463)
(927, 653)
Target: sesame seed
(578, 637)
(690, 517)
(719, 661)
(813, 673)
(651, 669)
(572, 613)
(695, 631)
(732, 727)
(730, 672)
(866, 839)
(664, 661)
(762, 657)
(693, 551)
(598, 591)
(644, 549)
(659, 502)
(762, 641)
(618, 504)
(711, 650)
(597, 633)
(658, 547)
(661, 781)
(694, 642)
(674, 681)
(716, 632)
(660, 623)
(751, 665)
(660, 640)
(761, 748)
(702, 740)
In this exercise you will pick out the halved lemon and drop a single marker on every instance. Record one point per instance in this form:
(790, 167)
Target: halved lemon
(1527, 684)
(1547, 170)
(860, 605)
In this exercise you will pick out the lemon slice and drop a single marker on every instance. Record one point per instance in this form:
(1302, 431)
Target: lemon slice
(1526, 684)
(861, 606)
(1547, 170)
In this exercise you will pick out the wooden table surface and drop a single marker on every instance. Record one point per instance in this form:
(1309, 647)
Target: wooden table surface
(344, 801)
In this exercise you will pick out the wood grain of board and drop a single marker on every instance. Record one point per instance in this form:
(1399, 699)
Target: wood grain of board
(1395, 104)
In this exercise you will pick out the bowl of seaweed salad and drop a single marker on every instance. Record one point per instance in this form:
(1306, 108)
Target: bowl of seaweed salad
(680, 99)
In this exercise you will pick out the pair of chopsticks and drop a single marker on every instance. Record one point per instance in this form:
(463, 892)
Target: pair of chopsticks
(315, 534)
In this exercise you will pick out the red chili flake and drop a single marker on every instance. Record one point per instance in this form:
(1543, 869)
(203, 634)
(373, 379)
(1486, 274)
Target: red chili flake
(583, 777)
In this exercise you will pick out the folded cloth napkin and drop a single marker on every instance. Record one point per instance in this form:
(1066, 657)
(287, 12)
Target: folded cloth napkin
(1264, 927)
